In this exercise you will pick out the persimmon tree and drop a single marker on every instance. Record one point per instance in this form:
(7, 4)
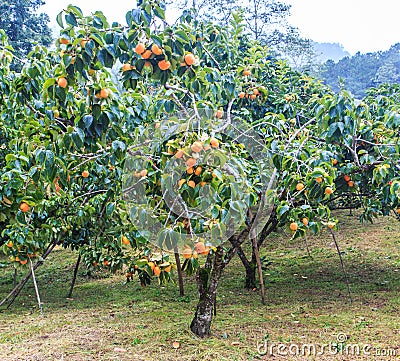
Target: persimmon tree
(202, 144)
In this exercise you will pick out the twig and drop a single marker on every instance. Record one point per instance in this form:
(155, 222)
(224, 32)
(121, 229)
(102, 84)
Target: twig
(91, 193)
(58, 120)
(212, 57)
(299, 130)
(175, 98)
(14, 56)
(375, 144)
(228, 119)
(308, 248)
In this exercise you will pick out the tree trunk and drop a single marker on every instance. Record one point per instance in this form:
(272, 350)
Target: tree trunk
(207, 282)
(250, 281)
(250, 268)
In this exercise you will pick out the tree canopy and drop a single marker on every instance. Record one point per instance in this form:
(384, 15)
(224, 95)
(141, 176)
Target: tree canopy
(23, 26)
(202, 146)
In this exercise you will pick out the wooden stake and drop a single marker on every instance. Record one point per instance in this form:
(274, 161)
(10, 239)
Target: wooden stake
(341, 262)
(17, 289)
(179, 269)
(36, 287)
(260, 274)
(74, 276)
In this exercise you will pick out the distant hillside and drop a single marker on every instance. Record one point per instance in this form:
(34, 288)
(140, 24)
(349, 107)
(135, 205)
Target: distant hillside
(326, 51)
(363, 71)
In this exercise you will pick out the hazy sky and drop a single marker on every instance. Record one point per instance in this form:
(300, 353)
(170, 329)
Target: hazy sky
(359, 25)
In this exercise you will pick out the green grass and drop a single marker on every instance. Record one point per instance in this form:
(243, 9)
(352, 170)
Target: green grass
(307, 302)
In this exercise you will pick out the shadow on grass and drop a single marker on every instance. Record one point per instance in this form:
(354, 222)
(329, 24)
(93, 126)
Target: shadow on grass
(287, 279)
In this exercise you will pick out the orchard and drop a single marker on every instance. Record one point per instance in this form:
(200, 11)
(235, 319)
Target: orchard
(158, 150)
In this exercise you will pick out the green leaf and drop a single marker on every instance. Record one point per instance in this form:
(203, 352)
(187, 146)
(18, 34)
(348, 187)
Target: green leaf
(106, 58)
(59, 19)
(48, 83)
(110, 208)
(180, 34)
(70, 18)
(159, 12)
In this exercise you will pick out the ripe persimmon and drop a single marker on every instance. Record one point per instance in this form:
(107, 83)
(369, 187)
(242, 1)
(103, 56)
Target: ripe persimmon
(156, 50)
(219, 113)
(164, 64)
(189, 59)
(196, 147)
(104, 93)
(200, 247)
(168, 269)
(85, 174)
(140, 48)
(24, 207)
(126, 67)
(187, 253)
(190, 162)
(63, 41)
(62, 82)
(157, 271)
(331, 225)
(146, 54)
(214, 143)
(293, 226)
(179, 153)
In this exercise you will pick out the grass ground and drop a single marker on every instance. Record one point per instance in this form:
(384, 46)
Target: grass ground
(307, 303)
